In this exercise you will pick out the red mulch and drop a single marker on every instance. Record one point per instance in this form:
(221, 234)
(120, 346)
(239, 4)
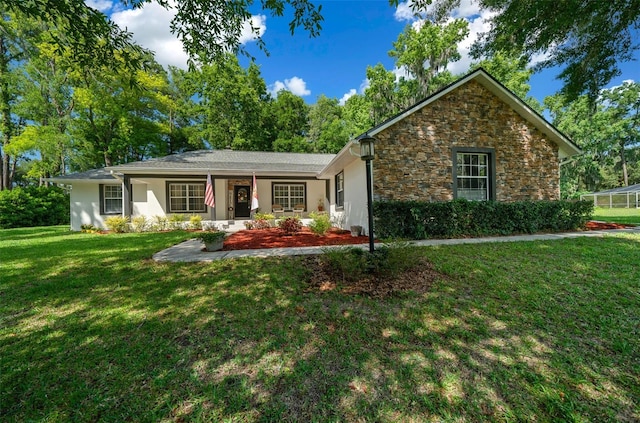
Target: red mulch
(597, 226)
(256, 239)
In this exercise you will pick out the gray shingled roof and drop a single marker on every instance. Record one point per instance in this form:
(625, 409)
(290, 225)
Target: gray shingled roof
(630, 188)
(229, 160)
(93, 174)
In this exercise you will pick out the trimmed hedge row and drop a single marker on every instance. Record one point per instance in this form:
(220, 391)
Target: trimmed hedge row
(421, 220)
(33, 206)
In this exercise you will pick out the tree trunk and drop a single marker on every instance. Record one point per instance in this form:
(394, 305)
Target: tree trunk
(6, 125)
(623, 162)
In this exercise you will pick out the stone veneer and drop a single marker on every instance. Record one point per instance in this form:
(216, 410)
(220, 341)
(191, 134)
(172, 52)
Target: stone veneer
(414, 156)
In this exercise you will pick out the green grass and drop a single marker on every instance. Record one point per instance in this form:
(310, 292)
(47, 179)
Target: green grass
(91, 329)
(630, 216)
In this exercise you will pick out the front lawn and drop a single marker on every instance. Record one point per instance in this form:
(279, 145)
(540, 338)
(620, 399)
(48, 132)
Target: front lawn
(630, 216)
(91, 329)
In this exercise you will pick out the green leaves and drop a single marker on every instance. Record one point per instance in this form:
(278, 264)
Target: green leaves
(587, 38)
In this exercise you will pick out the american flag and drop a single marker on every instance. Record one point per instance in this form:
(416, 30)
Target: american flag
(254, 195)
(209, 199)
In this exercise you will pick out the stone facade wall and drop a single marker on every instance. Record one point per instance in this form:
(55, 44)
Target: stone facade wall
(414, 156)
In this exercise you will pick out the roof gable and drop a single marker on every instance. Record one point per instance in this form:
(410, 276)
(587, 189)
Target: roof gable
(566, 147)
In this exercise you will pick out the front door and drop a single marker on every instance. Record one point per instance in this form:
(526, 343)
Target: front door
(241, 202)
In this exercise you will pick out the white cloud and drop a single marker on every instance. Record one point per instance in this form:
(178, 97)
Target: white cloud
(402, 72)
(347, 96)
(247, 34)
(364, 85)
(404, 12)
(294, 85)
(101, 5)
(150, 26)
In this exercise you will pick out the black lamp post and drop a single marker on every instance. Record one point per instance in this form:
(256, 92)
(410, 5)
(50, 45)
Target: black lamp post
(367, 154)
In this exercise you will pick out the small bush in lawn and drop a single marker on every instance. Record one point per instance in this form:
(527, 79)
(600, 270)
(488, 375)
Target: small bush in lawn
(389, 260)
(349, 262)
(394, 258)
(290, 225)
(320, 224)
(88, 228)
(117, 224)
(139, 224)
(195, 221)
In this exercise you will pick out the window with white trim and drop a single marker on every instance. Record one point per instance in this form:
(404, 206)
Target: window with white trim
(288, 195)
(186, 197)
(473, 176)
(111, 199)
(340, 189)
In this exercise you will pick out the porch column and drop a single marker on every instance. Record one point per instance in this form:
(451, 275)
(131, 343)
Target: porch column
(126, 196)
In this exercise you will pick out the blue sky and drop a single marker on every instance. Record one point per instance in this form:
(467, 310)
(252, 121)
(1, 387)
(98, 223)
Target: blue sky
(355, 34)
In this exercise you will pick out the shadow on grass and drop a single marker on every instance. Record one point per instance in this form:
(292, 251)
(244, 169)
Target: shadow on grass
(511, 336)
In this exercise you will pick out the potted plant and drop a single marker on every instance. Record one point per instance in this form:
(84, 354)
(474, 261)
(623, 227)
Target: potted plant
(356, 230)
(320, 205)
(212, 240)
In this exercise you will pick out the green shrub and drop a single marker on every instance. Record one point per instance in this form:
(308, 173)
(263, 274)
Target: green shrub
(263, 216)
(176, 221)
(160, 223)
(195, 221)
(420, 220)
(89, 228)
(118, 224)
(320, 224)
(290, 225)
(389, 260)
(33, 206)
(350, 263)
(140, 224)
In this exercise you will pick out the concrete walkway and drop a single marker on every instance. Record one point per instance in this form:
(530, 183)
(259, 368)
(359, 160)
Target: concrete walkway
(191, 250)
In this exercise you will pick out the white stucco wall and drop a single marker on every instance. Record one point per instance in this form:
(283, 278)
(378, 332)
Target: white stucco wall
(149, 198)
(85, 205)
(355, 197)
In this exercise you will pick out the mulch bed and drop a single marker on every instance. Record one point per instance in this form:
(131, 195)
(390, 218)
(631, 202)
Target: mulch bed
(597, 226)
(256, 239)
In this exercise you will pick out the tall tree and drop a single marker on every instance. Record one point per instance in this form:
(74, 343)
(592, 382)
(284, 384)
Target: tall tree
(425, 49)
(328, 132)
(117, 117)
(14, 49)
(289, 117)
(622, 106)
(180, 114)
(587, 39)
(608, 136)
(229, 110)
(208, 28)
(47, 106)
(381, 93)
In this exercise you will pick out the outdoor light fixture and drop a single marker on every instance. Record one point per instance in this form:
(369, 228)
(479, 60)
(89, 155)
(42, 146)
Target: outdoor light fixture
(366, 147)
(367, 154)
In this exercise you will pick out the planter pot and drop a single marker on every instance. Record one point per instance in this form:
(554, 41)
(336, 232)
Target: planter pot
(356, 230)
(214, 245)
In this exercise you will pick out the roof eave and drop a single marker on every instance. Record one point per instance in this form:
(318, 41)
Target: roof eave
(134, 170)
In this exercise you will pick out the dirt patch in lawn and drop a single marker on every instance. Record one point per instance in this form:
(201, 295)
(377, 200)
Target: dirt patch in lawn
(324, 278)
(257, 239)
